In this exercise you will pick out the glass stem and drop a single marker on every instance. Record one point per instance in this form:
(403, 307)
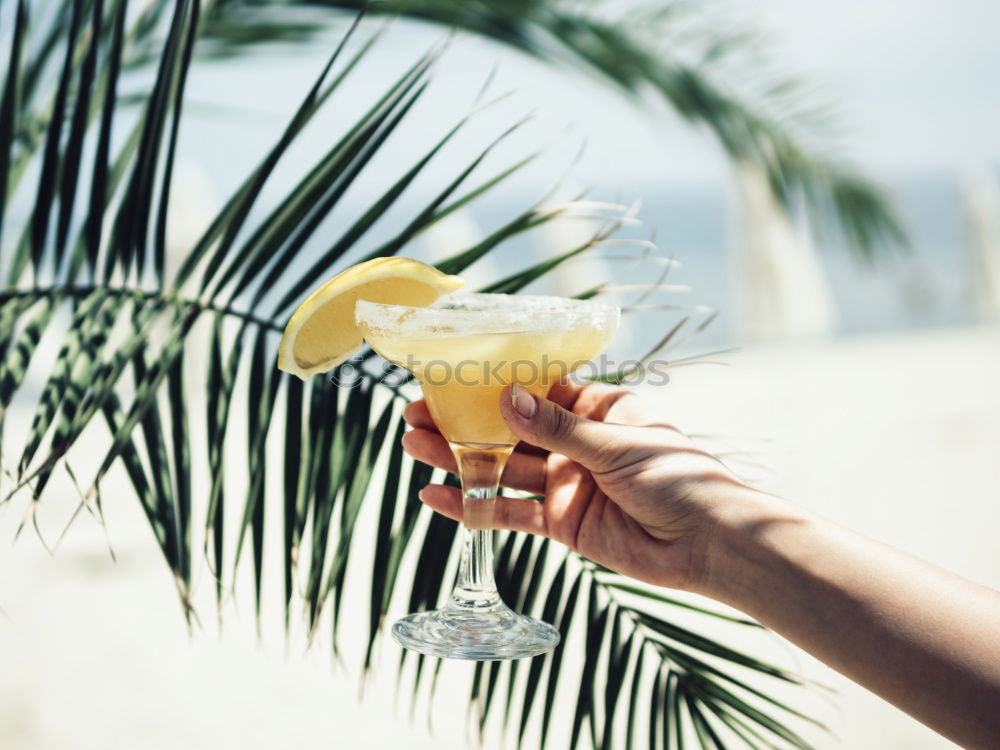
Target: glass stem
(479, 469)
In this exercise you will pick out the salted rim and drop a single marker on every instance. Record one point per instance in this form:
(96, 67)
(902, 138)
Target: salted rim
(464, 314)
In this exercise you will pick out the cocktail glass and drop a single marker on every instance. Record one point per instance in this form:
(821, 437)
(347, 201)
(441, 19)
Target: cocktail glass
(464, 350)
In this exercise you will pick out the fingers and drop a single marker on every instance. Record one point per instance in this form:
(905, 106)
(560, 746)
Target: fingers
(431, 448)
(513, 513)
(594, 401)
(416, 414)
(443, 499)
(565, 392)
(604, 403)
(543, 423)
(523, 472)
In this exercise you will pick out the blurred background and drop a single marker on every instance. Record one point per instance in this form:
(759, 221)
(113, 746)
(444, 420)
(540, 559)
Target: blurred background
(863, 387)
(908, 94)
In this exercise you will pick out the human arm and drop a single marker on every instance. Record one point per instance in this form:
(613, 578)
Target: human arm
(924, 639)
(638, 496)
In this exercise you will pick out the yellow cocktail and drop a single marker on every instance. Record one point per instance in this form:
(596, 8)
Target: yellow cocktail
(465, 350)
(462, 375)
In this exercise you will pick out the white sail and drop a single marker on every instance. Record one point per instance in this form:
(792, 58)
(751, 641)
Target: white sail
(780, 291)
(566, 233)
(981, 199)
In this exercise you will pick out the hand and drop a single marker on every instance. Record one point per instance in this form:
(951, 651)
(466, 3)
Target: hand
(637, 496)
(627, 492)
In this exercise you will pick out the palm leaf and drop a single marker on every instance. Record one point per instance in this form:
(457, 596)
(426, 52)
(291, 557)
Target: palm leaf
(51, 157)
(10, 103)
(129, 345)
(710, 78)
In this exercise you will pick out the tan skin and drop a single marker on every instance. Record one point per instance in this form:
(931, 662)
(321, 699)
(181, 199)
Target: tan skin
(613, 512)
(636, 495)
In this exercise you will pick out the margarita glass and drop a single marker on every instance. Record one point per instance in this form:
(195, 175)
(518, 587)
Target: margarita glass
(464, 350)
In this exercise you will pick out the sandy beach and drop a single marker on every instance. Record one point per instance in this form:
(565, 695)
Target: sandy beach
(895, 436)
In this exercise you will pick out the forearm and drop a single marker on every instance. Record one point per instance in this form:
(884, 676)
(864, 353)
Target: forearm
(923, 639)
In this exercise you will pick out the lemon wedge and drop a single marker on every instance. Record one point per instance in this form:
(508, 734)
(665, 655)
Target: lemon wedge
(322, 333)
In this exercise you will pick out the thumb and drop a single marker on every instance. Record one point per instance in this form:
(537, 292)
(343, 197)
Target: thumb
(543, 423)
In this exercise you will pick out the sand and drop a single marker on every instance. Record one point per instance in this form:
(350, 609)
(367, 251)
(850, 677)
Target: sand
(896, 436)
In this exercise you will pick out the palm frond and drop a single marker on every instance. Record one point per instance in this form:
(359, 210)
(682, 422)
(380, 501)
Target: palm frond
(88, 270)
(708, 73)
(616, 628)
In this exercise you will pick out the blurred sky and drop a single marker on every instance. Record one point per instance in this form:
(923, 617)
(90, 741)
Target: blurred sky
(919, 80)
(916, 83)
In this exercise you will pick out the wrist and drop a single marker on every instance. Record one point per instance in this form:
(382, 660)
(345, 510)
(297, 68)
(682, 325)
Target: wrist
(742, 550)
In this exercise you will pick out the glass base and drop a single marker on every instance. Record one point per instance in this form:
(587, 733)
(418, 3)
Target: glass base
(480, 636)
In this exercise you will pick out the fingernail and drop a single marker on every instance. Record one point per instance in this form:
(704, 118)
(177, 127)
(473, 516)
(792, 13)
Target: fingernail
(421, 494)
(524, 403)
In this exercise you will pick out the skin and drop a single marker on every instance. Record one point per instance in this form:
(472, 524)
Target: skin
(638, 496)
